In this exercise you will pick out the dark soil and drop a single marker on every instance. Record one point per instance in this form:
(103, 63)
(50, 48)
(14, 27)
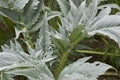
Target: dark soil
(109, 78)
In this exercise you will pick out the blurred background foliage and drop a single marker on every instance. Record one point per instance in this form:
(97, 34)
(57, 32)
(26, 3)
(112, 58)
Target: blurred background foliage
(6, 30)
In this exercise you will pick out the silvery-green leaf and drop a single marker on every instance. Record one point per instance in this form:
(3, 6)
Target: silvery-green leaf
(15, 46)
(72, 12)
(26, 12)
(81, 70)
(13, 4)
(74, 17)
(107, 25)
(94, 22)
(118, 13)
(37, 24)
(43, 50)
(12, 54)
(11, 14)
(109, 5)
(77, 2)
(38, 72)
(107, 21)
(44, 35)
(76, 76)
(8, 58)
(3, 3)
(19, 4)
(5, 76)
(32, 11)
(16, 65)
(90, 11)
(64, 6)
(52, 14)
(105, 11)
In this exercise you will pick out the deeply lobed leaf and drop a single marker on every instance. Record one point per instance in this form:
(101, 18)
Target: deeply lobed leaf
(81, 70)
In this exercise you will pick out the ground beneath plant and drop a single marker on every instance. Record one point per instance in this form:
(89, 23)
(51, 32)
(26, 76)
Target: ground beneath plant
(109, 78)
(100, 78)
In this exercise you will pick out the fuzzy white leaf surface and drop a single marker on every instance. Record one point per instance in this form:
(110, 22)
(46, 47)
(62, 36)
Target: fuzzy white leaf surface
(80, 70)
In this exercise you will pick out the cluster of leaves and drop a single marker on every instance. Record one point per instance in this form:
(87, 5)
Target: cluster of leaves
(77, 22)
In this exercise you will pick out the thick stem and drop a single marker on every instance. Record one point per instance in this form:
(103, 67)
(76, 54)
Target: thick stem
(61, 64)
